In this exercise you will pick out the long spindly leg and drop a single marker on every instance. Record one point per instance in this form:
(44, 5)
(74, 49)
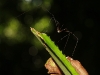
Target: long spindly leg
(69, 33)
(59, 30)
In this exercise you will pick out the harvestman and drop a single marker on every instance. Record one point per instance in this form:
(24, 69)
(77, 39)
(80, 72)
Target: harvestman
(59, 30)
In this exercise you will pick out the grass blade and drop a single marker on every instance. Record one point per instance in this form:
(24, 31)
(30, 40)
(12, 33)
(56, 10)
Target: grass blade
(55, 53)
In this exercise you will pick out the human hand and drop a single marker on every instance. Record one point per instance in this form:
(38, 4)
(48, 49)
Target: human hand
(53, 69)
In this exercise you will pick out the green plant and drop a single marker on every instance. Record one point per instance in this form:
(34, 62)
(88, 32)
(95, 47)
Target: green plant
(55, 53)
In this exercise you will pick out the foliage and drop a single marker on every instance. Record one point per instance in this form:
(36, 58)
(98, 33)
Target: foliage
(55, 53)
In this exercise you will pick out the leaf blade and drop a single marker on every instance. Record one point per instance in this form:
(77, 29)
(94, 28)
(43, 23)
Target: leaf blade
(55, 53)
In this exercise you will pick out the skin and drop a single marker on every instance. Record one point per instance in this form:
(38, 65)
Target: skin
(78, 66)
(53, 69)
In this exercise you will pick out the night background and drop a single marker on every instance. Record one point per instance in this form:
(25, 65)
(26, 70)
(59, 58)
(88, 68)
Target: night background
(20, 51)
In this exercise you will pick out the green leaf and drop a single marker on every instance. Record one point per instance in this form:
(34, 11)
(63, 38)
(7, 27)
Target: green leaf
(55, 53)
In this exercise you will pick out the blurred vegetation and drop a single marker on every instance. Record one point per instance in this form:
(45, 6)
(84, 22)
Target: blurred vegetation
(22, 54)
(18, 47)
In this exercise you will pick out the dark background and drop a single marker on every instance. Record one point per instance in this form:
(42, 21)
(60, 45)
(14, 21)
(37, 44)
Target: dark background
(20, 51)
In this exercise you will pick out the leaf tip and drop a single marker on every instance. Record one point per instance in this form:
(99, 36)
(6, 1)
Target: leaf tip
(31, 28)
